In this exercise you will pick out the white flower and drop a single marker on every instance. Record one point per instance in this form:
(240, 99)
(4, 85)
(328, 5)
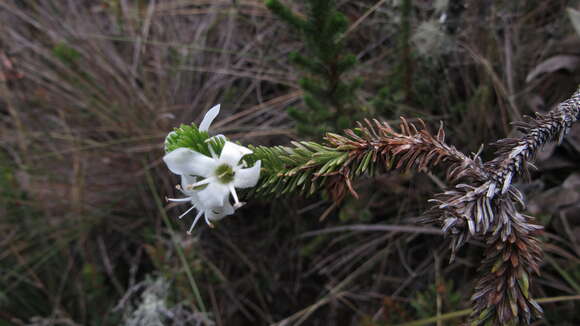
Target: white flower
(210, 213)
(222, 175)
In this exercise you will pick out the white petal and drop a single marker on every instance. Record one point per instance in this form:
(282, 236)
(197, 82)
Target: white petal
(213, 196)
(232, 153)
(186, 161)
(209, 117)
(217, 214)
(246, 178)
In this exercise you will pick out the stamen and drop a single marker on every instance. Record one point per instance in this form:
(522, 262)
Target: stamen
(237, 203)
(195, 222)
(187, 211)
(240, 204)
(209, 223)
(234, 194)
(178, 187)
(203, 182)
(178, 199)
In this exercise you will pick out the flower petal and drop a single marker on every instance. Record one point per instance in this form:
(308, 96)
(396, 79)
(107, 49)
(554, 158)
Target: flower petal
(246, 178)
(213, 196)
(209, 117)
(232, 153)
(187, 161)
(216, 214)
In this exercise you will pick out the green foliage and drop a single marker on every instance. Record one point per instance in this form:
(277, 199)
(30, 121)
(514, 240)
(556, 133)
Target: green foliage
(189, 136)
(329, 97)
(295, 169)
(309, 166)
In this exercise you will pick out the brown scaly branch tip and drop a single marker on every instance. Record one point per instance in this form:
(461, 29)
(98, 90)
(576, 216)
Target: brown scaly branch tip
(482, 202)
(490, 207)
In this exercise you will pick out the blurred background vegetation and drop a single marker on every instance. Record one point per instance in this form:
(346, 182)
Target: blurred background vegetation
(89, 89)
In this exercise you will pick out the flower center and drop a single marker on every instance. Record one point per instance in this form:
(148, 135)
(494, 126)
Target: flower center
(224, 173)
